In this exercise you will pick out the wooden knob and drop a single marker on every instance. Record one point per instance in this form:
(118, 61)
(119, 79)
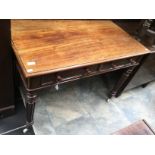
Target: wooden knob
(59, 78)
(133, 61)
(88, 70)
(114, 66)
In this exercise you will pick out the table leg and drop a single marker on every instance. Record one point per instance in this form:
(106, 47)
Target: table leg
(123, 82)
(30, 106)
(125, 79)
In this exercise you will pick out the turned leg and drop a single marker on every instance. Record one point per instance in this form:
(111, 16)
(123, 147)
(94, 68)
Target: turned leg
(30, 106)
(123, 82)
(125, 79)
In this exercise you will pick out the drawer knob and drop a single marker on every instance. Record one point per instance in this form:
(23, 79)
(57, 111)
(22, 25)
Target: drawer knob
(114, 65)
(59, 78)
(88, 70)
(132, 61)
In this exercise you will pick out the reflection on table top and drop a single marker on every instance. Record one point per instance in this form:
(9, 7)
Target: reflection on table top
(46, 46)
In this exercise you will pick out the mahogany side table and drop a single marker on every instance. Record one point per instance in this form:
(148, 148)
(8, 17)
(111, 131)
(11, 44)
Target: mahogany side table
(52, 52)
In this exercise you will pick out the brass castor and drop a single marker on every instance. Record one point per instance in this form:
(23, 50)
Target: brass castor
(109, 100)
(25, 130)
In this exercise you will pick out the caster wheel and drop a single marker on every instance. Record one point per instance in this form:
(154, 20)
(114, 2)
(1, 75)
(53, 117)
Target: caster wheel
(25, 130)
(144, 85)
(109, 100)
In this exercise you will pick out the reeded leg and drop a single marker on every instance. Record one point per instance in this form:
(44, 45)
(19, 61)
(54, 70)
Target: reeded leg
(30, 106)
(122, 83)
(125, 79)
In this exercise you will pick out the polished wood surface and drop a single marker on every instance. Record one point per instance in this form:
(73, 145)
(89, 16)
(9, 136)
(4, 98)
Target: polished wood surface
(46, 46)
(138, 128)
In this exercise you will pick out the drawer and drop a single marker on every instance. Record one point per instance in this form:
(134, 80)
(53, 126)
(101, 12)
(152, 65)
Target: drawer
(62, 76)
(41, 81)
(124, 63)
(70, 74)
(48, 79)
(118, 64)
(74, 74)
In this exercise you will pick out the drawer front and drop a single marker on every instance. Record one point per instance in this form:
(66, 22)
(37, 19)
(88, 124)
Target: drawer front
(41, 81)
(70, 75)
(48, 79)
(77, 73)
(124, 63)
(74, 74)
(118, 64)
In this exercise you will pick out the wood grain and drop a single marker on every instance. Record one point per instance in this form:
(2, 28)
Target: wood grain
(46, 46)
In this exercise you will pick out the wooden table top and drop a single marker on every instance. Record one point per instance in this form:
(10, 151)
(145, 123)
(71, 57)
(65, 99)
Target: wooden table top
(46, 46)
